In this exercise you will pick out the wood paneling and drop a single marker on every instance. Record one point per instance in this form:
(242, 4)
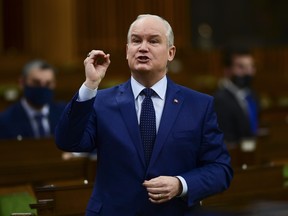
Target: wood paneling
(104, 24)
(63, 32)
(13, 26)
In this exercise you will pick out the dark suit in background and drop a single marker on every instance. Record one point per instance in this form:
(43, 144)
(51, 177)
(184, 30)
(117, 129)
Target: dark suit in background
(232, 117)
(15, 123)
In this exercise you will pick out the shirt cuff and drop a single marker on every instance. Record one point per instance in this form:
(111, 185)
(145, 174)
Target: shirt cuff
(184, 186)
(86, 93)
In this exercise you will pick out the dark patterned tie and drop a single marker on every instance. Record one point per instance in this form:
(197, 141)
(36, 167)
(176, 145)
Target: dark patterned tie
(148, 123)
(41, 131)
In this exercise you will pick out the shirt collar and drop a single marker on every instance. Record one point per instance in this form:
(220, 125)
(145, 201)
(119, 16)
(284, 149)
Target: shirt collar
(228, 84)
(159, 87)
(32, 112)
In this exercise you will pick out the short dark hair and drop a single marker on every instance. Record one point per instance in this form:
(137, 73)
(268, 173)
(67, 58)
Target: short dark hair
(230, 51)
(37, 63)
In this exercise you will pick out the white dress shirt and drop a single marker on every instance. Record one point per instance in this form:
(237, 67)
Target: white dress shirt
(158, 101)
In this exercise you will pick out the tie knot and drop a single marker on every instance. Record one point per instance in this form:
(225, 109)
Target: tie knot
(148, 92)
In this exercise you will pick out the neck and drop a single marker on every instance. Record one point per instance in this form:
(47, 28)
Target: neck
(147, 79)
(33, 106)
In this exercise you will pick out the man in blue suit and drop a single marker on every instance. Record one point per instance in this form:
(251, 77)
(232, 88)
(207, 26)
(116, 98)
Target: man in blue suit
(35, 115)
(188, 160)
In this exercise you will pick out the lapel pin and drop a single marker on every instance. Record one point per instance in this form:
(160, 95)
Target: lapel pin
(176, 101)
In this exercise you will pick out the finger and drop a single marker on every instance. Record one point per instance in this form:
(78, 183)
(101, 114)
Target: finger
(158, 201)
(155, 182)
(92, 55)
(100, 59)
(158, 198)
(152, 185)
(156, 190)
(103, 62)
(162, 196)
(106, 59)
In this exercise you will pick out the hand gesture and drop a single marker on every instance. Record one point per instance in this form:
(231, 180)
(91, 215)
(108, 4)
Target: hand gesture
(96, 65)
(163, 188)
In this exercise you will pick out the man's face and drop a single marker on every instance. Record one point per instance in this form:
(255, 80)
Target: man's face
(40, 78)
(242, 65)
(147, 50)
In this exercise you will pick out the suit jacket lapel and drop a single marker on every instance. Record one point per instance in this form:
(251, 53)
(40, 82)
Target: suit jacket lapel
(126, 104)
(24, 127)
(173, 103)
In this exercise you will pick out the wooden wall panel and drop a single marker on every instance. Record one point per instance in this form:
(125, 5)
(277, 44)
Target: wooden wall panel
(50, 29)
(63, 32)
(104, 24)
(12, 26)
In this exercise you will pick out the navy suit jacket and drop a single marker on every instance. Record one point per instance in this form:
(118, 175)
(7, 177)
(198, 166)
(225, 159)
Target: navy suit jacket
(15, 122)
(188, 144)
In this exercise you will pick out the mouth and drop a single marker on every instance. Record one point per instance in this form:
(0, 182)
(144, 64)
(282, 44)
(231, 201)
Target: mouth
(143, 59)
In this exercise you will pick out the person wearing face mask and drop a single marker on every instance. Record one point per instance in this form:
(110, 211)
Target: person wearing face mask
(235, 102)
(35, 115)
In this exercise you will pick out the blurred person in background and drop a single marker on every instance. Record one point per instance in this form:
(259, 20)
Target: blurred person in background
(35, 115)
(235, 102)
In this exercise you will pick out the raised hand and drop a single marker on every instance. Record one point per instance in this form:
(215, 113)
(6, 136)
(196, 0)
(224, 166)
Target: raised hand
(96, 65)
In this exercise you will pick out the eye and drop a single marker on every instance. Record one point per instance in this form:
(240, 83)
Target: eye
(154, 41)
(35, 83)
(135, 40)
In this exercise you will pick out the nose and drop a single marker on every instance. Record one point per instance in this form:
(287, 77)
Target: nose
(248, 69)
(143, 46)
(46, 84)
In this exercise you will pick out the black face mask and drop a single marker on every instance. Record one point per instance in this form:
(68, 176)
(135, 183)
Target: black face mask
(242, 81)
(38, 96)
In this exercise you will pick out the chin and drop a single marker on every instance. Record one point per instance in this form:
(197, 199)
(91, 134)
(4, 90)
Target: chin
(142, 71)
(142, 68)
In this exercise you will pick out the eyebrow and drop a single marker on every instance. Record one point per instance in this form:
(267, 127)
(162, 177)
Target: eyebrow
(154, 35)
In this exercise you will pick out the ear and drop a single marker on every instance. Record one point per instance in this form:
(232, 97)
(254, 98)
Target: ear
(127, 51)
(171, 53)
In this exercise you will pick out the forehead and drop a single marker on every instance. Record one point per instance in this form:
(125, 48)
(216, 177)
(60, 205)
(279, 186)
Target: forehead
(41, 74)
(149, 26)
(245, 59)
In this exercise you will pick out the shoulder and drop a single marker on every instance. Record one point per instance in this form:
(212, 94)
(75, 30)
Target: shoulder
(12, 116)
(223, 94)
(193, 94)
(12, 110)
(117, 89)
